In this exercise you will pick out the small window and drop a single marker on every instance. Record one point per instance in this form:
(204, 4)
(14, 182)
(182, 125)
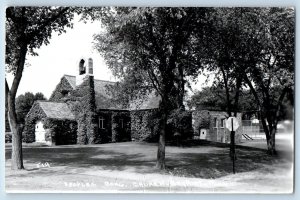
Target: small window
(215, 122)
(222, 123)
(101, 123)
(81, 67)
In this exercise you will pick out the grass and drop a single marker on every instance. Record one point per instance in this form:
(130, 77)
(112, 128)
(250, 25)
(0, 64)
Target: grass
(119, 166)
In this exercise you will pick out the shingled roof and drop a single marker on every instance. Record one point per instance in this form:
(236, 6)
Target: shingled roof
(56, 110)
(103, 97)
(98, 84)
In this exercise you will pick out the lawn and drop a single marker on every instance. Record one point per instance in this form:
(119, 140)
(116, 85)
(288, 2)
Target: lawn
(130, 167)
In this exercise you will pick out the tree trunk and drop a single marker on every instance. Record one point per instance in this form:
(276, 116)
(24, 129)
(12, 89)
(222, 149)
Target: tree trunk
(16, 154)
(10, 95)
(160, 163)
(271, 143)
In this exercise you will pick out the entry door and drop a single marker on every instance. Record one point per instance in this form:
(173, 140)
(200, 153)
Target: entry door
(203, 134)
(39, 132)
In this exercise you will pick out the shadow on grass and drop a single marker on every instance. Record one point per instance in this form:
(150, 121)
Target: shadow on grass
(205, 161)
(216, 165)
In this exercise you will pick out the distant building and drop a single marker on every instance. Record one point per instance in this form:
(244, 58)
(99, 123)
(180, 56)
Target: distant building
(210, 125)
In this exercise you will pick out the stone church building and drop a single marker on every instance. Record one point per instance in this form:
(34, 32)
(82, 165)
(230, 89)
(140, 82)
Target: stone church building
(81, 111)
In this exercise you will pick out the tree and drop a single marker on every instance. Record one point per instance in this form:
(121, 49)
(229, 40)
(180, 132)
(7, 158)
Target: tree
(27, 28)
(223, 53)
(213, 97)
(153, 47)
(24, 103)
(270, 71)
(258, 53)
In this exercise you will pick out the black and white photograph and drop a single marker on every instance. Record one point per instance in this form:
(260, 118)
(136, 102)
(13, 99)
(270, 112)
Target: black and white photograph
(149, 99)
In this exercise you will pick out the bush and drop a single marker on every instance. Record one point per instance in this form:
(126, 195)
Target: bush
(180, 125)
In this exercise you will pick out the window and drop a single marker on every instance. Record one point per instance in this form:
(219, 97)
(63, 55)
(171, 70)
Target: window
(81, 67)
(121, 122)
(222, 123)
(215, 122)
(101, 122)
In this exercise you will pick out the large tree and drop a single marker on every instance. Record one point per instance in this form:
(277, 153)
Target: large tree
(271, 64)
(27, 28)
(254, 48)
(224, 53)
(153, 48)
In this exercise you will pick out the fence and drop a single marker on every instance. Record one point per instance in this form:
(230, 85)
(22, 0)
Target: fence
(252, 131)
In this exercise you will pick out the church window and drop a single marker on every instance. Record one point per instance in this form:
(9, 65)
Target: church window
(101, 123)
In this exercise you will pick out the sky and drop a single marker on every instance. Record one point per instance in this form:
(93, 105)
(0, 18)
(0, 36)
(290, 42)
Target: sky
(61, 56)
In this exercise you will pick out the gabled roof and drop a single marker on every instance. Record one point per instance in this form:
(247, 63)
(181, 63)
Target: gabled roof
(100, 87)
(103, 97)
(56, 110)
(71, 80)
(98, 84)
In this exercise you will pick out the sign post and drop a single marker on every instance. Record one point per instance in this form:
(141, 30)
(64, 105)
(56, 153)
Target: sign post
(232, 125)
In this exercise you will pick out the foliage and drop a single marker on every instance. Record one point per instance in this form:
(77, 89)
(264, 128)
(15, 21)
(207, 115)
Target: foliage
(144, 125)
(119, 133)
(84, 109)
(24, 104)
(61, 132)
(213, 98)
(180, 122)
(151, 47)
(61, 90)
(32, 26)
(201, 119)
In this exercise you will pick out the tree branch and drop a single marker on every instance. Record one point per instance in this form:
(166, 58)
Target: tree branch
(45, 23)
